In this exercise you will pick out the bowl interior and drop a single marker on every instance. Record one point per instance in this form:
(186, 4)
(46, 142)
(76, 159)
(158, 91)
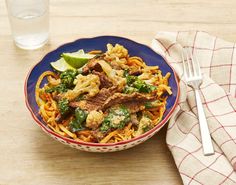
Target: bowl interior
(99, 43)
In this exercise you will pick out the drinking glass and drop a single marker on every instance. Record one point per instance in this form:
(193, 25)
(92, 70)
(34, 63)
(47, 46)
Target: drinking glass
(29, 20)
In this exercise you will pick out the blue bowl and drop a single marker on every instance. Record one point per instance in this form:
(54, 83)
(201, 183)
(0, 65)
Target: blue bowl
(99, 43)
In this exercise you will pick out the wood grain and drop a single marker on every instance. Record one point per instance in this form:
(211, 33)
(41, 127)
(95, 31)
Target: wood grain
(28, 156)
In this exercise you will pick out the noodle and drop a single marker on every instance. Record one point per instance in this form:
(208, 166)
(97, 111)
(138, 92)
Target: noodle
(37, 87)
(136, 61)
(109, 136)
(67, 131)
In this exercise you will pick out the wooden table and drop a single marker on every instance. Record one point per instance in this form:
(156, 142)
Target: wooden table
(30, 157)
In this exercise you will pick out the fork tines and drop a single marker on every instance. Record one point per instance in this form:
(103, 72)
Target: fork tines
(191, 65)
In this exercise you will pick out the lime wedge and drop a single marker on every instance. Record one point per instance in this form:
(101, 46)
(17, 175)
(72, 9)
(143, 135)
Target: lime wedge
(61, 65)
(81, 51)
(77, 59)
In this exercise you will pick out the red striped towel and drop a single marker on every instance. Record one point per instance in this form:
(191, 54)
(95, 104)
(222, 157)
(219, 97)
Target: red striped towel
(217, 58)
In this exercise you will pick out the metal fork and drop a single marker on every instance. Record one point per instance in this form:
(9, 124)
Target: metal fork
(193, 78)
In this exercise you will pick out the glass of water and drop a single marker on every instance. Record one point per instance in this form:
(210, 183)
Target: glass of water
(29, 21)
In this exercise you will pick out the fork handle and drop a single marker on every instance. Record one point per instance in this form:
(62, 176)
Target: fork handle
(205, 134)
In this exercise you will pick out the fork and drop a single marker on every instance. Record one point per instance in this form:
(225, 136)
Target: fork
(193, 78)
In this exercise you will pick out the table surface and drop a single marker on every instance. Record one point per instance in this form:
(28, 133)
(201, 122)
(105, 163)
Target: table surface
(28, 156)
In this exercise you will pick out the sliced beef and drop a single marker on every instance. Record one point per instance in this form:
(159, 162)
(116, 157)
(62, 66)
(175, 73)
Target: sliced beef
(108, 97)
(84, 105)
(134, 106)
(127, 99)
(92, 65)
(105, 82)
(96, 102)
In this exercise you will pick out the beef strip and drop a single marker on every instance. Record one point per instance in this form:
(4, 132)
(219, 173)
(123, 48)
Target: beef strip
(92, 65)
(107, 98)
(105, 82)
(96, 102)
(129, 100)
(134, 106)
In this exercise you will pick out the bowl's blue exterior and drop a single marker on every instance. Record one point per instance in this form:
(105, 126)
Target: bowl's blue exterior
(99, 43)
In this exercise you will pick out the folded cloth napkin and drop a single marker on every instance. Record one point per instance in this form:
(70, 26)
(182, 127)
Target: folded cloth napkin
(218, 91)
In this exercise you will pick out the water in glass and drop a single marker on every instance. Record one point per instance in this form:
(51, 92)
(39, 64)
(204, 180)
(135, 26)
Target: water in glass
(30, 26)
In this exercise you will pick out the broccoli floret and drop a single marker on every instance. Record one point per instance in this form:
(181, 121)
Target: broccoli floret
(59, 88)
(129, 90)
(64, 107)
(80, 115)
(143, 87)
(77, 124)
(67, 77)
(126, 73)
(117, 118)
(140, 85)
(105, 125)
(131, 79)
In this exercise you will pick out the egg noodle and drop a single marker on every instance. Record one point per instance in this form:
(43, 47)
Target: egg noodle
(114, 97)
